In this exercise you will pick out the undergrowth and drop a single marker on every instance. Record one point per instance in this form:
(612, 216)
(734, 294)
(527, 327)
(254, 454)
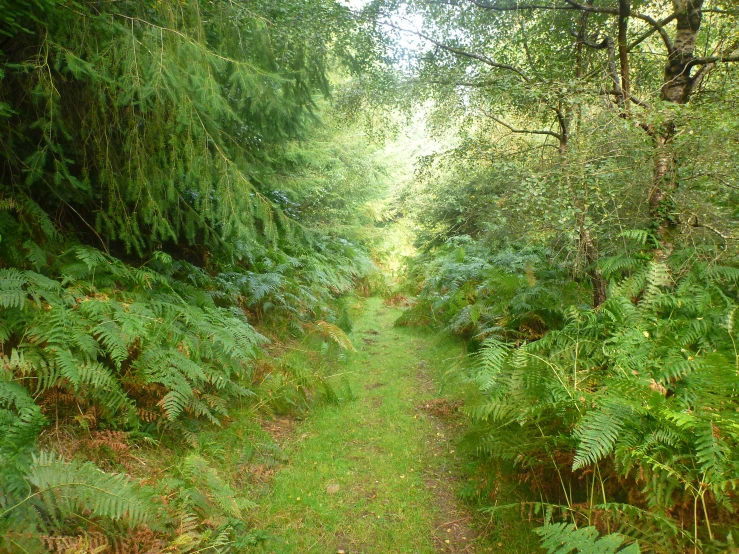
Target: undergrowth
(620, 419)
(161, 259)
(119, 356)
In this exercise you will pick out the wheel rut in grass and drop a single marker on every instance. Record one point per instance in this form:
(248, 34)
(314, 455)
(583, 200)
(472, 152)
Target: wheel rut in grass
(376, 473)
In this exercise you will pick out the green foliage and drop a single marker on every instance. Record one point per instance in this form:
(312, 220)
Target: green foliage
(328, 178)
(152, 125)
(623, 414)
(62, 492)
(642, 391)
(477, 292)
(101, 327)
(598, 292)
(17, 15)
(22, 420)
(564, 538)
(108, 344)
(165, 167)
(67, 488)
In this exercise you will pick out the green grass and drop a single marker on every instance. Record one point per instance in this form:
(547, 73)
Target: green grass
(375, 473)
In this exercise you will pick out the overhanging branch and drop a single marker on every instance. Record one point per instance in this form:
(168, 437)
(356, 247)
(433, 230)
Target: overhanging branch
(518, 7)
(728, 58)
(512, 129)
(658, 27)
(460, 51)
(651, 31)
(693, 221)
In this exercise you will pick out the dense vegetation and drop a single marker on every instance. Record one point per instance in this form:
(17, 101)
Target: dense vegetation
(183, 190)
(169, 171)
(579, 229)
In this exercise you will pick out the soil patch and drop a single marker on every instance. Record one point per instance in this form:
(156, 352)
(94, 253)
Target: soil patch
(280, 428)
(441, 407)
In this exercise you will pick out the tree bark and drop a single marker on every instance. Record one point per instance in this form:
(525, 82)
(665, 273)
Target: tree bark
(661, 206)
(624, 11)
(677, 86)
(590, 250)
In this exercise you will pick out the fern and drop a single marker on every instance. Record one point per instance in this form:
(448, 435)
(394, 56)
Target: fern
(565, 538)
(599, 430)
(491, 358)
(62, 489)
(641, 392)
(22, 421)
(147, 233)
(335, 334)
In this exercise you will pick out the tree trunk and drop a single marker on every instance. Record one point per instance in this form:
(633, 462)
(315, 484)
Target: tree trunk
(590, 250)
(677, 86)
(587, 244)
(624, 10)
(661, 205)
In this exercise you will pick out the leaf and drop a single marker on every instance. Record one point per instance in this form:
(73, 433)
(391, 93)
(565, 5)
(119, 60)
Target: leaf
(565, 538)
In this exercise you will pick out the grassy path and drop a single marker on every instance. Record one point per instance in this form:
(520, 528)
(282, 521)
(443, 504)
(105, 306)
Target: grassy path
(375, 474)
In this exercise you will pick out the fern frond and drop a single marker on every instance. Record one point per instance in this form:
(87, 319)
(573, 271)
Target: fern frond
(73, 488)
(490, 360)
(566, 538)
(599, 431)
(335, 333)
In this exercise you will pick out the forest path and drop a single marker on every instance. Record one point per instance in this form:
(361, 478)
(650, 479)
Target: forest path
(377, 473)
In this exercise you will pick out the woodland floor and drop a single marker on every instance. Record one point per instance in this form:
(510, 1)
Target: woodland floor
(377, 473)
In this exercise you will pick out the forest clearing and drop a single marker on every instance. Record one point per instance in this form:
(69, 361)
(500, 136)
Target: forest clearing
(369, 276)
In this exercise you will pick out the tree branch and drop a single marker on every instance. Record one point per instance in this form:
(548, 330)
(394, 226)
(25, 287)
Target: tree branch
(564, 136)
(697, 79)
(723, 12)
(639, 102)
(460, 52)
(590, 8)
(471, 84)
(638, 15)
(713, 59)
(607, 43)
(519, 7)
(722, 180)
(659, 27)
(694, 222)
(523, 131)
(651, 31)
(624, 11)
